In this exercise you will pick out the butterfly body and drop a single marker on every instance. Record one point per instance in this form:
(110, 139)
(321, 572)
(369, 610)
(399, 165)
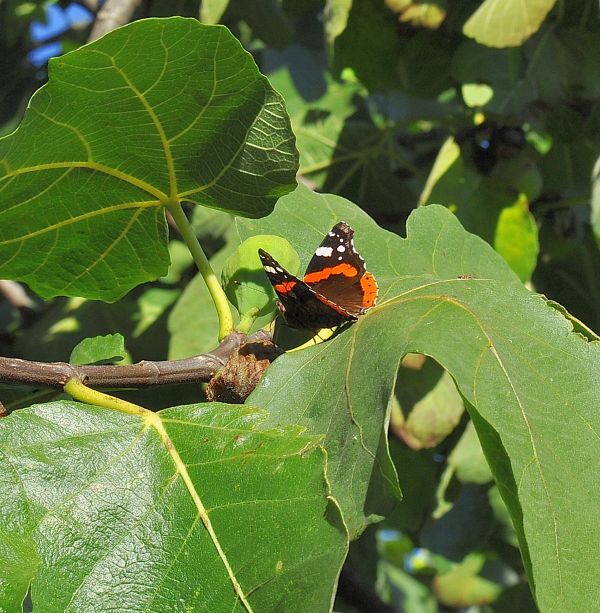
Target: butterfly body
(335, 289)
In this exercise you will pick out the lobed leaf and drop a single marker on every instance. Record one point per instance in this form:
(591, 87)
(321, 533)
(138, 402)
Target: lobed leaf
(531, 381)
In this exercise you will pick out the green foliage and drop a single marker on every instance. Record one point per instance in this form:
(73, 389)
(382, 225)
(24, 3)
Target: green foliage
(244, 279)
(99, 350)
(498, 23)
(429, 407)
(464, 479)
(129, 145)
(139, 525)
(476, 327)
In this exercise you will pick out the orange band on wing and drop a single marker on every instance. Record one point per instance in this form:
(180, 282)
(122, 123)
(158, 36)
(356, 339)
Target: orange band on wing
(285, 287)
(341, 269)
(370, 290)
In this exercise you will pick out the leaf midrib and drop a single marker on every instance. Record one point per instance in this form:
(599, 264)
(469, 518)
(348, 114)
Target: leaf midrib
(154, 420)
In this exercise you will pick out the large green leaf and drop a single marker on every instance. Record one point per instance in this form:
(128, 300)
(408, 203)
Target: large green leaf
(532, 383)
(506, 23)
(194, 508)
(154, 112)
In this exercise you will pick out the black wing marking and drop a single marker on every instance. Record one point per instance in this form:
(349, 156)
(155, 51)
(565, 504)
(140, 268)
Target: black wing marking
(336, 247)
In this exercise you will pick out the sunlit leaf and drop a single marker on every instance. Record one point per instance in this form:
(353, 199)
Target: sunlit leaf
(194, 507)
(99, 349)
(531, 382)
(506, 23)
(516, 238)
(156, 111)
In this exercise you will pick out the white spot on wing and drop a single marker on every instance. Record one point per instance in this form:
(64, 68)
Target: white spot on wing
(270, 269)
(341, 248)
(324, 252)
(331, 233)
(340, 258)
(279, 269)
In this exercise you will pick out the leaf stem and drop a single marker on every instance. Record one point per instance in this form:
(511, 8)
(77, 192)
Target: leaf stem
(211, 280)
(77, 390)
(246, 320)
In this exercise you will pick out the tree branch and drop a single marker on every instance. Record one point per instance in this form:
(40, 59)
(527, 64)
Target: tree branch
(16, 294)
(200, 368)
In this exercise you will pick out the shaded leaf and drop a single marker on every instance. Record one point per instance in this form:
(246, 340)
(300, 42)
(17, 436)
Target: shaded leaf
(463, 527)
(502, 516)
(569, 268)
(418, 474)
(403, 592)
(430, 403)
(367, 43)
(139, 317)
(545, 68)
(210, 225)
(181, 260)
(467, 459)
(267, 20)
(193, 323)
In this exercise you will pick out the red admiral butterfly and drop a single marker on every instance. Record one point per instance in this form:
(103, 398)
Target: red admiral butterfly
(335, 289)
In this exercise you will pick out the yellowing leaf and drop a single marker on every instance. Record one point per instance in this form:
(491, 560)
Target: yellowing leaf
(516, 238)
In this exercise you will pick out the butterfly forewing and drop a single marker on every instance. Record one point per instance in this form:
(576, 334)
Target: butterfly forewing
(338, 272)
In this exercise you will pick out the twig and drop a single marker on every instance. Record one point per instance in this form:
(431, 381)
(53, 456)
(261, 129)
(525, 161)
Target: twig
(143, 374)
(113, 14)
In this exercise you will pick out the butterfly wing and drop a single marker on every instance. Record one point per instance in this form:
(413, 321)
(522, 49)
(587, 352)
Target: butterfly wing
(338, 273)
(302, 307)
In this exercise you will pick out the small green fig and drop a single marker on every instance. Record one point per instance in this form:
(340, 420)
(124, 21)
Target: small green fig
(244, 279)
